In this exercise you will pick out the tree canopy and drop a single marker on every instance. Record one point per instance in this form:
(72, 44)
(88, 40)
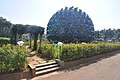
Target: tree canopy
(5, 27)
(108, 35)
(70, 25)
(23, 29)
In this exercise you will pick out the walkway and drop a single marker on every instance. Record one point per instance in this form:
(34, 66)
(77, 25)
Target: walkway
(105, 69)
(34, 58)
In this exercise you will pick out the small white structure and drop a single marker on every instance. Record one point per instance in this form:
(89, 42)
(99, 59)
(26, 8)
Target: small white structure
(20, 43)
(60, 43)
(83, 43)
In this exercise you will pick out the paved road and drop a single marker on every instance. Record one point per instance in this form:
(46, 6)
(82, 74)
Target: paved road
(105, 69)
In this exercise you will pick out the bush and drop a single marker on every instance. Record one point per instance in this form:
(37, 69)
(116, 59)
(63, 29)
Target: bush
(70, 52)
(49, 50)
(77, 51)
(12, 58)
(4, 40)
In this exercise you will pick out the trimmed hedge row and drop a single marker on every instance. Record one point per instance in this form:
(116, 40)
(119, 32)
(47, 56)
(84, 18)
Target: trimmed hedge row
(50, 50)
(70, 52)
(12, 58)
(77, 51)
(4, 40)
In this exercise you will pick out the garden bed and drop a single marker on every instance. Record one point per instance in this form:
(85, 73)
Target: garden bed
(26, 74)
(86, 61)
(69, 52)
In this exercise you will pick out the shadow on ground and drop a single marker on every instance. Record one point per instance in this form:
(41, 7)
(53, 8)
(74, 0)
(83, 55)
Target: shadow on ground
(94, 59)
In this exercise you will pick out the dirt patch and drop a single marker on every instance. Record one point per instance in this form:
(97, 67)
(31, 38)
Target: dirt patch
(35, 58)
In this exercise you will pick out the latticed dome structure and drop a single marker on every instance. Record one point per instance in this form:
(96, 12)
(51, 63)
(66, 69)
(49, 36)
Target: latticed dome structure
(70, 25)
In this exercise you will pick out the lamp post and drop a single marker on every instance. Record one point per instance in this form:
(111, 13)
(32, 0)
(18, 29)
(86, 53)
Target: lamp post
(20, 43)
(60, 48)
(60, 43)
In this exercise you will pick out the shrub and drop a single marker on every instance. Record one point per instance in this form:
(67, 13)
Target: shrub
(70, 52)
(49, 50)
(77, 51)
(4, 40)
(12, 58)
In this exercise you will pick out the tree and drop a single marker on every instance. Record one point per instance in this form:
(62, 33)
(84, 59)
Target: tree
(118, 34)
(5, 27)
(97, 36)
(70, 25)
(108, 35)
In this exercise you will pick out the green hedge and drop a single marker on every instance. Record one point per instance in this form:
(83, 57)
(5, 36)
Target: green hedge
(77, 51)
(50, 50)
(4, 40)
(12, 58)
(70, 52)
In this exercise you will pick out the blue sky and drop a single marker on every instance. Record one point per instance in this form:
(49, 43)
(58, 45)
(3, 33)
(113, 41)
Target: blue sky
(104, 13)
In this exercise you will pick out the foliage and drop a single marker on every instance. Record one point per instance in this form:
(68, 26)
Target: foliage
(26, 43)
(22, 29)
(12, 58)
(108, 35)
(73, 51)
(77, 51)
(49, 50)
(70, 25)
(5, 27)
(4, 40)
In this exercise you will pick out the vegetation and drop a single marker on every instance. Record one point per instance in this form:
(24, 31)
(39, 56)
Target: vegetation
(77, 51)
(108, 35)
(67, 25)
(4, 40)
(15, 31)
(50, 50)
(70, 25)
(12, 58)
(22, 29)
(5, 27)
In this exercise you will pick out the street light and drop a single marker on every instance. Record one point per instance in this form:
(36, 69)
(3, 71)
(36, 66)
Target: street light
(60, 43)
(20, 43)
(60, 48)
